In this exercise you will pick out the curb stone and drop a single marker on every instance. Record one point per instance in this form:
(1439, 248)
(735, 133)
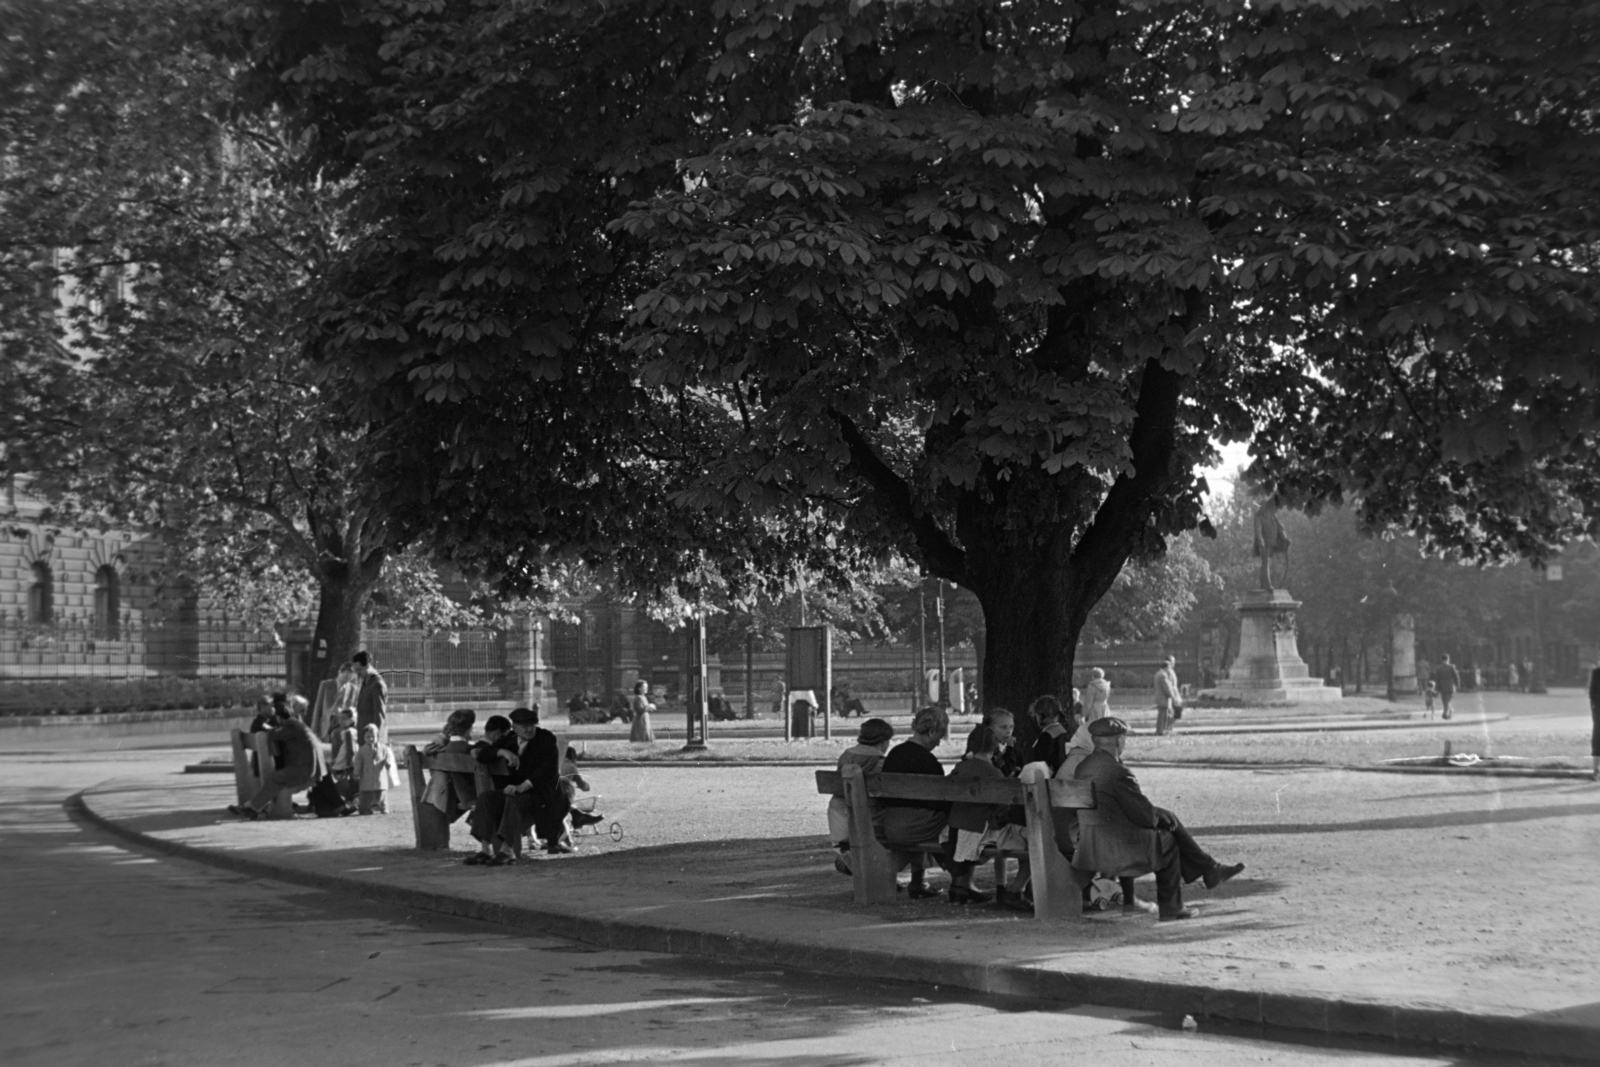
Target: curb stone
(1438, 1027)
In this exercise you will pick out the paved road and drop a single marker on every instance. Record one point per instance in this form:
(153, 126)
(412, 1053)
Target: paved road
(111, 956)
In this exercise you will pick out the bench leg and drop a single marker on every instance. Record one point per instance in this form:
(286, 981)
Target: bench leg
(1055, 896)
(871, 867)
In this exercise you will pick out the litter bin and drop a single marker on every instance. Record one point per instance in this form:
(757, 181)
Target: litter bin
(802, 702)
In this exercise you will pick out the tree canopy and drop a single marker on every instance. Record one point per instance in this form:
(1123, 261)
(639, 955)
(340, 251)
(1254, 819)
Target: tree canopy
(157, 278)
(699, 288)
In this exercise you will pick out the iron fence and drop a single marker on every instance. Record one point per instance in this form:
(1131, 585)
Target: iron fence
(454, 665)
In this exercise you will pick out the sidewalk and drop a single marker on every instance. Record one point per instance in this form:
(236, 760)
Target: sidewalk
(1361, 913)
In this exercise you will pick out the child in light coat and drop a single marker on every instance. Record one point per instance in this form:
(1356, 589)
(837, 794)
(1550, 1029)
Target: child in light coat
(375, 772)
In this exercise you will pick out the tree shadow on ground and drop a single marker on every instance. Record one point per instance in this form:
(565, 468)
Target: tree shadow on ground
(1434, 821)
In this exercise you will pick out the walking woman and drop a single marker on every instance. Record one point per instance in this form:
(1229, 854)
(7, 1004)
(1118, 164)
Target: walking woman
(641, 707)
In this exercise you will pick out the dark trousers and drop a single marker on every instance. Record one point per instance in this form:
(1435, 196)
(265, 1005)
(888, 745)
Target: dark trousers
(1181, 860)
(497, 816)
(276, 782)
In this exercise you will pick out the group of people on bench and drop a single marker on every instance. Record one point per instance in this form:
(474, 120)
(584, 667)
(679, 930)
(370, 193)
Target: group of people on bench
(534, 789)
(1124, 836)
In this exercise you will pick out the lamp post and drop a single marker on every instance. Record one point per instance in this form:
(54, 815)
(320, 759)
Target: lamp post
(944, 687)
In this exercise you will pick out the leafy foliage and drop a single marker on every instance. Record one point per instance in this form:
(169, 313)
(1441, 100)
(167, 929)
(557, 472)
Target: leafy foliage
(695, 290)
(162, 276)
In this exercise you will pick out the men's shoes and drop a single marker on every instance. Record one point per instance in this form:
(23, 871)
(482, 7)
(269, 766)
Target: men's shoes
(1182, 913)
(502, 859)
(478, 859)
(1016, 900)
(559, 848)
(1137, 907)
(1219, 874)
(921, 892)
(244, 812)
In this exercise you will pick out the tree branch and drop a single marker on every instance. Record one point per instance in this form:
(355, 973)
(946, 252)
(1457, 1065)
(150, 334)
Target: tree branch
(943, 557)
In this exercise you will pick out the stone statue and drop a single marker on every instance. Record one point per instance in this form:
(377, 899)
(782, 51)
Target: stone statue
(1270, 540)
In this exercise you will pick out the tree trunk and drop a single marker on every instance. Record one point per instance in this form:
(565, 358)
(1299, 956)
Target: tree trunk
(1033, 612)
(342, 594)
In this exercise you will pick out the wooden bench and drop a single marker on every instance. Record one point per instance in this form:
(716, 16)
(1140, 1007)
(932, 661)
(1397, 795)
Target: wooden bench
(248, 773)
(1056, 890)
(432, 828)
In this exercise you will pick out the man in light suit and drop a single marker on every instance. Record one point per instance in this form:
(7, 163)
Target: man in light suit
(1126, 835)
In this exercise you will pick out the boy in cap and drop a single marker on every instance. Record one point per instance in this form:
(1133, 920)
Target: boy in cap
(1125, 832)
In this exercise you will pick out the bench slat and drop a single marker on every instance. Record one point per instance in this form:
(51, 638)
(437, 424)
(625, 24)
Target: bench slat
(1068, 794)
(927, 787)
(461, 763)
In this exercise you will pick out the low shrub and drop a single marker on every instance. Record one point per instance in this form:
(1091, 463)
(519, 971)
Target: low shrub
(89, 696)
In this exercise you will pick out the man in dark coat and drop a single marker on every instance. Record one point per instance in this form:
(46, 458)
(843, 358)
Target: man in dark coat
(1447, 680)
(532, 795)
(372, 701)
(1126, 834)
(297, 754)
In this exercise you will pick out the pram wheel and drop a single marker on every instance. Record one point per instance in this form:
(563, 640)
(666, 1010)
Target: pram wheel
(616, 831)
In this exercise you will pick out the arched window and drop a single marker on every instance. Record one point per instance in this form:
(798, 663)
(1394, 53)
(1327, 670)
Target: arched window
(107, 603)
(42, 595)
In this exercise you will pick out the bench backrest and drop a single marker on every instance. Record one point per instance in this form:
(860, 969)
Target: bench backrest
(1068, 794)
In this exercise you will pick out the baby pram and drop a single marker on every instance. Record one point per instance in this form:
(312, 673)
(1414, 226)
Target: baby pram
(583, 817)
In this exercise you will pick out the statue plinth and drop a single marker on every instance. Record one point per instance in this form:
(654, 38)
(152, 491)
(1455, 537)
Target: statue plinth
(1268, 668)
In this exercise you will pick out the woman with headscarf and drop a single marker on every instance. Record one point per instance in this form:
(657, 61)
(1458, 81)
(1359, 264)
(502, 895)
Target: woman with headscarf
(872, 742)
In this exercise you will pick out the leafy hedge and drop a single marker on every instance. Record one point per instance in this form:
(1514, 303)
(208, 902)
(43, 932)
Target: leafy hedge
(88, 696)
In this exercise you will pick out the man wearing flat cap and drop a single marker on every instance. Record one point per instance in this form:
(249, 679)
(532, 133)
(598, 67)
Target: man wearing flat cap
(531, 794)
(1125, 835)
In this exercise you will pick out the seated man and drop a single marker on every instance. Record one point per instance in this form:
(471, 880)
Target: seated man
(532, 794)
(297, 754)
(1125, 833)
(903, 825)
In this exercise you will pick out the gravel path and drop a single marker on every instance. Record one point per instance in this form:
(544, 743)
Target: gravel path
(1477, 893)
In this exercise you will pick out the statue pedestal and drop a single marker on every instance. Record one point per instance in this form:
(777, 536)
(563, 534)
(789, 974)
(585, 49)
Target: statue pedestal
(1268, 669)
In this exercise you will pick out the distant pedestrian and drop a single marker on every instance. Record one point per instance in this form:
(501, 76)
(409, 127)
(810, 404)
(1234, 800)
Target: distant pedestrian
(1096, 696)
(1594, 712)
(1169, 698)
(1513, 676)
(1430, 693)
(1448, 681)
(639, 704)
(1525, 672)
(375, 773)
(372, 698)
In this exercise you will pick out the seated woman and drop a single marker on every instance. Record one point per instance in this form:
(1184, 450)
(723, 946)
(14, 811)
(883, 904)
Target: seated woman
(904, 823)
(974, 825)
(452, 793)
(872, 741)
